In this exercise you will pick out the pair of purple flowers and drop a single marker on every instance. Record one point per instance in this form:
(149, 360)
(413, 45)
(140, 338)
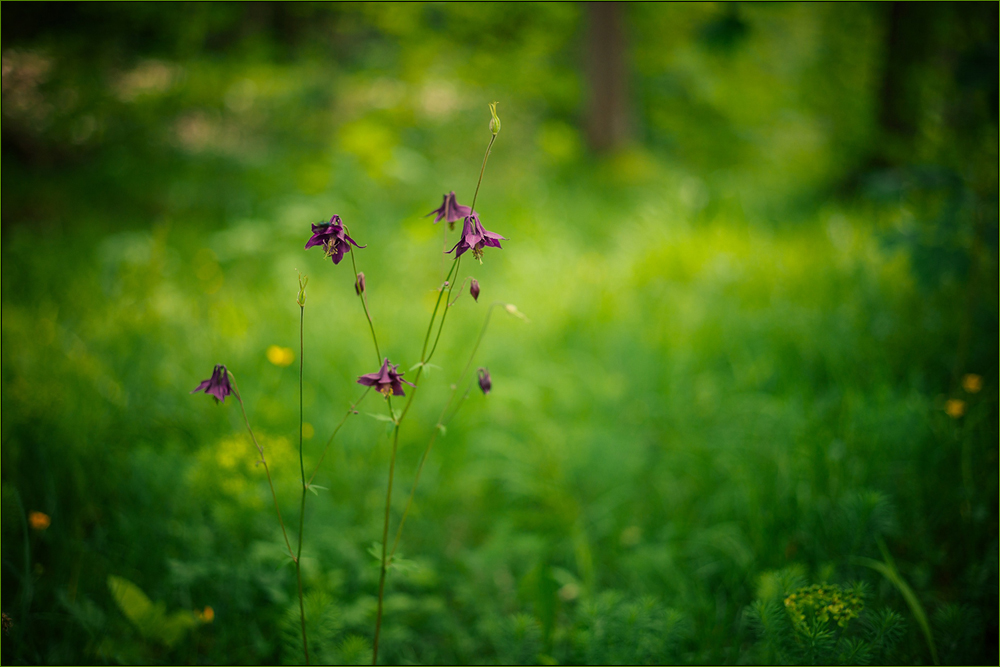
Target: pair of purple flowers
(386, 380)
(474, 237)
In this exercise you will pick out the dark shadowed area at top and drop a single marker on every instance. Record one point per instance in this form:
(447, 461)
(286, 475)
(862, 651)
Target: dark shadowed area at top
(746, 411)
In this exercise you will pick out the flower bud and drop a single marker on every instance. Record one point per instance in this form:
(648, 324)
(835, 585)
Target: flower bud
(495, 120)
(485, 383)
(359, 284)
(301, 297)
(474, 289)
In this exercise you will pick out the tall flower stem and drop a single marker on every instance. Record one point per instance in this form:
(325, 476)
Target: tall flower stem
(425, 357)
(302, 468)
(440, 425)
(260, 450)
(481, 170)
(385, 533)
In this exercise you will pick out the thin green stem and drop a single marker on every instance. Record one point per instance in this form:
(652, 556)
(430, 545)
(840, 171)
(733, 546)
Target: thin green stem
(437, 304)
(424, 358)
(437, 427)
(350, 411)
(444, 315)
(392, 460)
(302, 508)
(481, 170)
(364, 304)
(385, 533)
(260, 450)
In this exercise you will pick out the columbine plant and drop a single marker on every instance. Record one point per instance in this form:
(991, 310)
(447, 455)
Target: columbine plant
(333, 237)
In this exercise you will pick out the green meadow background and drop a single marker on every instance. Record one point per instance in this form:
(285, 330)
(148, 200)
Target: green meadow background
(761, 347)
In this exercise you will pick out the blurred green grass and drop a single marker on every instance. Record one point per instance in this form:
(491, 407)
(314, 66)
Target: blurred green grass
(727, 371)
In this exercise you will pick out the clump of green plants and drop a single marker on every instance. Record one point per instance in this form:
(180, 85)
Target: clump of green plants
(821, 624)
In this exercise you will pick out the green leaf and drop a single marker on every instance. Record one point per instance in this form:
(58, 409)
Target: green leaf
(382, 418)
(149, 618)
(888, 570)
(131, 600)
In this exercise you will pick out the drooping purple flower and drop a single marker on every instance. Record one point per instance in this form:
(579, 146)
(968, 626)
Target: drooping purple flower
(217, 385)
(474, 289)
(485, 383)
(386, 380)
(359, 284)
(450, 210)
(475, 237)
(333, 237)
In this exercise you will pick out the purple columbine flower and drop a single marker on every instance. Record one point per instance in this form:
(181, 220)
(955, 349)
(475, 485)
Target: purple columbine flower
(475, 237)
(485, 383)
(333, 237)
(474, 289)
(387, 380)
(450, 210)
(217, 385)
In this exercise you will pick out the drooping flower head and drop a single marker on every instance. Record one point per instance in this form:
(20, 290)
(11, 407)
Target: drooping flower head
(333, 237)
(475, 237)
(474, 289)
(386, 380)
(217, 385)
(450, 210)
(485, 383)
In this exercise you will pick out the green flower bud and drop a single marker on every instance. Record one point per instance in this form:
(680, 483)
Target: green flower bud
(494, 121)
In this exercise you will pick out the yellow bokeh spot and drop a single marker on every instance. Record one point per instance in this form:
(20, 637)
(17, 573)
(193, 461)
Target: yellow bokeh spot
(972, 383)
(955, 408)
(280, 356)
(206, 616)
(308, 431)
(39, 520)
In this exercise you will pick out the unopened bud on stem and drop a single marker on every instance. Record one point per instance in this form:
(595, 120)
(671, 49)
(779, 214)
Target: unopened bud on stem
(495, 120)
(301, 298)
(359, 284)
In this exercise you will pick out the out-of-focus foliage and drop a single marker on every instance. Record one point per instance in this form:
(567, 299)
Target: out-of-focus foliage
(743, 369)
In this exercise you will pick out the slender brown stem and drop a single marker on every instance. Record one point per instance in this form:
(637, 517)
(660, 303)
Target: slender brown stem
(260, 450)
(302, 469)
(350, 411)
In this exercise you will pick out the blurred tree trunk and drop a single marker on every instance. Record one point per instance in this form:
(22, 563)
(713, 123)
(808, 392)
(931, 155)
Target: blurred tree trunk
(907, 37)
(607, 104)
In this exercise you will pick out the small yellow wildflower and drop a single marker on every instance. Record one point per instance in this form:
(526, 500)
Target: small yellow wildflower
(280, 356)
(972, 383)
(955, 408)
(39, 520)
